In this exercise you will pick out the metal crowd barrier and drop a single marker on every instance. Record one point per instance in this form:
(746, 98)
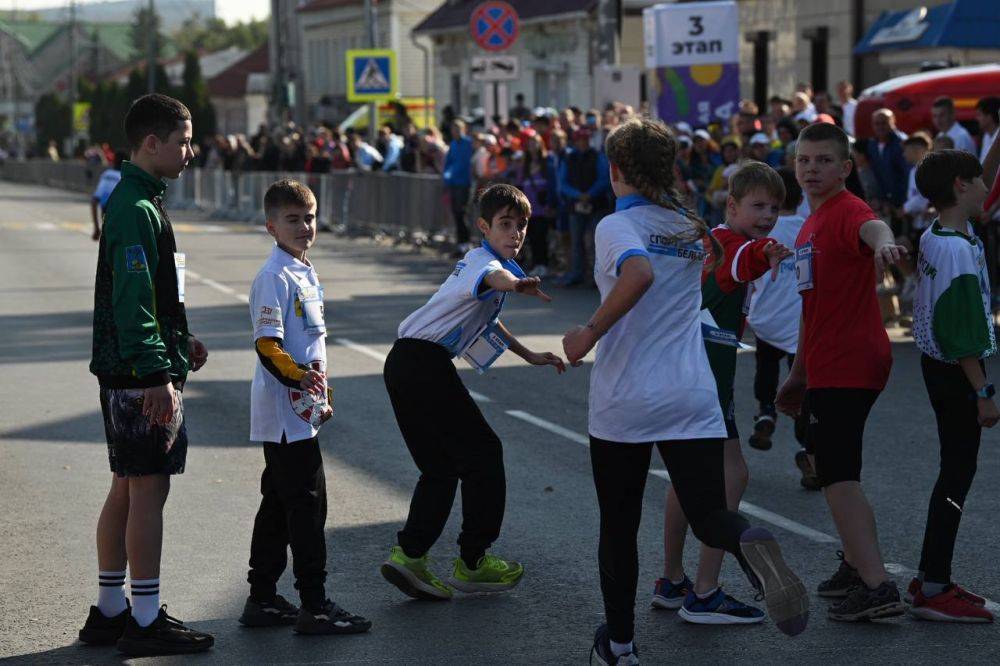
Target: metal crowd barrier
(402, 204)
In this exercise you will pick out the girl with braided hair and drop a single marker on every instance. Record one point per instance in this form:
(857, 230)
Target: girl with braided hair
(651, 384)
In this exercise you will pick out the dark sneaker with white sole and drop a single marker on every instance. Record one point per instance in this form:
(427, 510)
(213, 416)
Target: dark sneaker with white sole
(102, 630)
(784, 594)
(719, 608)
(864, 603)
(165, 636)
(273, 613)
(841, 582)
(809, 480)
(601, 652)
(329, 620)
(763, 428)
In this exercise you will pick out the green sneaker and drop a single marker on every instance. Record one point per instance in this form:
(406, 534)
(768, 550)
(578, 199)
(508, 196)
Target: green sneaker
(492, 574)
(413, 578)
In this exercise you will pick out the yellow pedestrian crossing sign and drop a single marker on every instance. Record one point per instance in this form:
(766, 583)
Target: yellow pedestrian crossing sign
(371, 75)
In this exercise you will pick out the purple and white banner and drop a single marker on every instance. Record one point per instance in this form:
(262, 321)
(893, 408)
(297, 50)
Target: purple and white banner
(693, 48)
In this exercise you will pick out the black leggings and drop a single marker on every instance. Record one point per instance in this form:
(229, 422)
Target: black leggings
(450, 441)
(765, 384)
(957, 416)
(620, 470)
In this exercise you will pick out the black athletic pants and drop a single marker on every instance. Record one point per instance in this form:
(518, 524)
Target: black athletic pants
(765, 384)
(459, 200)
(620, 470)
(957, 413)
(292, 513)
(450, 441)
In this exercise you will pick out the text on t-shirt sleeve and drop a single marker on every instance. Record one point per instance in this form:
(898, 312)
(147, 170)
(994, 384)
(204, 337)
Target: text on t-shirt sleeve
(267, 296)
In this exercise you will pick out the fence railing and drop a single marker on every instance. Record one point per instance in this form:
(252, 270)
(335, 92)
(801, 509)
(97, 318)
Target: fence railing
(358, 201)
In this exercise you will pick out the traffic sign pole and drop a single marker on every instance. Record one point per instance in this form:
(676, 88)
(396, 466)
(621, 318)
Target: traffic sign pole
(372, 106)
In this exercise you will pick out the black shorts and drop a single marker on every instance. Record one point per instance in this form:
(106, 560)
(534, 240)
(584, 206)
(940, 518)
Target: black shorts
(728, 405)
(837, 419)
(134, 447)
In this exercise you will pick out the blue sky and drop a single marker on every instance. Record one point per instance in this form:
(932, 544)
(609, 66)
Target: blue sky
(230, 10)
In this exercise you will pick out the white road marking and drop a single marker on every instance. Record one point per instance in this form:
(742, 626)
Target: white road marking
(218, 286)
(549, 426)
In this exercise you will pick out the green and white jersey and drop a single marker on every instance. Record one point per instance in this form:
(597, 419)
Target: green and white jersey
(951, 310)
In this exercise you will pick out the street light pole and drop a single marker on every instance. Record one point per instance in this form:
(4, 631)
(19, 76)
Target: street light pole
(372, 106)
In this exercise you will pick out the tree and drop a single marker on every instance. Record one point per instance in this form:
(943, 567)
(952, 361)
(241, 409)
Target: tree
(145, 26)
(53, 121)
(194, 94)
(199, 34)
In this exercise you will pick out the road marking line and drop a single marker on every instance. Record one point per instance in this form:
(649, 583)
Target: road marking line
(378, 356)
(218, 286)
(45, 226)
(551, 427)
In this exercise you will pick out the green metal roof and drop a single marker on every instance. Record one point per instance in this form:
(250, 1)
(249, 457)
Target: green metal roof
(31, 34)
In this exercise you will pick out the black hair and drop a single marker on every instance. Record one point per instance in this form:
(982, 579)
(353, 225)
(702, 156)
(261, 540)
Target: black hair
(793, 191)
(287, 192)
(944, 102)
(990, 106)
(826, 132)
(497, 198)
(154, 114)
(917, 139)
(120, 156)
(936, 175)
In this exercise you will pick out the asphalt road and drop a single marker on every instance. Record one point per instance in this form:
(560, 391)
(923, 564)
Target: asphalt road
(54, 474)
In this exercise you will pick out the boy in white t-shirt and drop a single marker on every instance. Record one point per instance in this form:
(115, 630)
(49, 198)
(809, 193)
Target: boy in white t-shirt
(289, 400)
(775, 310)
(444, 430)
(953, 327)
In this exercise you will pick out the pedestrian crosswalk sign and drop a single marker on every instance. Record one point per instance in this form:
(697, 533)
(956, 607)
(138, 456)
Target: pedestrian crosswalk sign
(371, 75)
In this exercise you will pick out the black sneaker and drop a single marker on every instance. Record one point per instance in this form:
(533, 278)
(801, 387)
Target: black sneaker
(166, 635)
(763, 428)
(601, 652)
(330, 619)
(809, 480)
(102, 630)
(840, 583)
(865, 603)
(269, 613)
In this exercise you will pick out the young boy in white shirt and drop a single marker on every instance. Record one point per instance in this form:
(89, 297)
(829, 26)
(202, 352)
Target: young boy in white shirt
(289, 400)
(953, 327)
(444, 430)
(775, 310)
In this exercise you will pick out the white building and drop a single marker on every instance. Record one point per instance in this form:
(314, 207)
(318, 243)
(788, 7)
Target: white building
(329, 28)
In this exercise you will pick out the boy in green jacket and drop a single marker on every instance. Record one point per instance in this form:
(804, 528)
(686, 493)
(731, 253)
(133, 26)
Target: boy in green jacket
(141, 356)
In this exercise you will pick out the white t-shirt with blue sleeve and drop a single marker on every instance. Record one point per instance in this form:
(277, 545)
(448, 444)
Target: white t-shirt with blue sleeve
(651, 379)
(458, 313)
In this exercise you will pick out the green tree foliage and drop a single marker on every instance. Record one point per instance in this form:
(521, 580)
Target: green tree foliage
(53, 121)
(194, 93)
(199, 34)
(145, 26)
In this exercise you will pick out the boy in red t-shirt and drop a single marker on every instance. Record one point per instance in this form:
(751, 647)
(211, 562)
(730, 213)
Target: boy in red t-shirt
(843, 361)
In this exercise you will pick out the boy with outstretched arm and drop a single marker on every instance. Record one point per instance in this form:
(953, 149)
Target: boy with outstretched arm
(755, 196)
(953, 327)
(442, 426)
(289, 400)
(142, 353)
(843, 360)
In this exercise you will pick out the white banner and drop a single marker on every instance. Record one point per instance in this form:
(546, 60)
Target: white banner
(697, 33)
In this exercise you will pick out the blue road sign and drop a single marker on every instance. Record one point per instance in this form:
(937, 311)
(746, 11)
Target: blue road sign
(371, 74)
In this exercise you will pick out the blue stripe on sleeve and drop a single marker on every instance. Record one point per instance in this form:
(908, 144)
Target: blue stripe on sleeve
(634, 252)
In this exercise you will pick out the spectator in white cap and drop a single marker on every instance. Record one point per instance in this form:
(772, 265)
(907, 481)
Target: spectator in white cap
(683, 129)
(803, 107)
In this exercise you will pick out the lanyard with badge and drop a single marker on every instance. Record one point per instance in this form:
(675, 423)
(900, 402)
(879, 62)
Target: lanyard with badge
(804, 266)
(311, 301)
(487, 347)
(180, 262)
(711, 332)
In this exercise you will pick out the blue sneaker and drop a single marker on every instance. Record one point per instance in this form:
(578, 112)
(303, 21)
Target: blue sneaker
(601, 652)
(720, 608)
(668, 596)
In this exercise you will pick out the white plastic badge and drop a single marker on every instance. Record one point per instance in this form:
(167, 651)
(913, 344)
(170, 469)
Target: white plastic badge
(711, 332)
(804, 267)
(311, 298)
(180, 262)
(485, 349)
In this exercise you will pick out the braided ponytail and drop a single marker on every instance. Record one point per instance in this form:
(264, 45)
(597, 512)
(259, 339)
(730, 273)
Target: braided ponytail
(645, 152)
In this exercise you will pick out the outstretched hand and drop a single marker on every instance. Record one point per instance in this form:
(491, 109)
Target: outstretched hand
(548, 358)
(889, 254)
(530, 286)
(775, 254)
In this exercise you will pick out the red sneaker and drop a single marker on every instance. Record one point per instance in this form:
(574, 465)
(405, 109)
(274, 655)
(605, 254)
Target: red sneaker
(914, 587)
(949, 606)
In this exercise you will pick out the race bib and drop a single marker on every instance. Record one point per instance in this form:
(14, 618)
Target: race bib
(311, 298)
(180, 261)
(804, 267)
(486, 349)
(710, 332)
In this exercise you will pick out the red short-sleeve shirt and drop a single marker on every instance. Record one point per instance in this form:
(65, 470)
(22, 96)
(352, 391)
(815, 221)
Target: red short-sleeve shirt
(844, 340)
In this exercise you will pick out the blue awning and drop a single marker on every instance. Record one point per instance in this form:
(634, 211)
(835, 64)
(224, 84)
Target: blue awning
(968, 24)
